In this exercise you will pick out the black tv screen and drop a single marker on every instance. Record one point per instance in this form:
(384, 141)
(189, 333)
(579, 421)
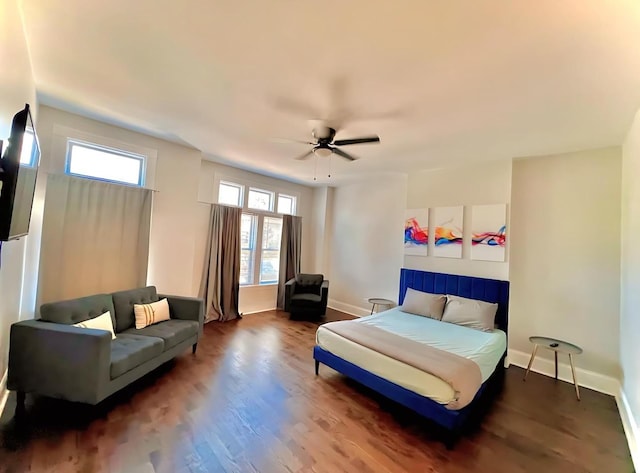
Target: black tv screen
(18, 172)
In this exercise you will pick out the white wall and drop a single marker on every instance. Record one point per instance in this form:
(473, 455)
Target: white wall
(565, 255)
(478, 184)
(252, 298)
(18, 88)
(173, 172)
(630, 276)
(366, 241)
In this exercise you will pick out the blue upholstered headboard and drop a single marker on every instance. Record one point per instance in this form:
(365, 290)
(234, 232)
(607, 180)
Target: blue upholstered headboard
(488, 290)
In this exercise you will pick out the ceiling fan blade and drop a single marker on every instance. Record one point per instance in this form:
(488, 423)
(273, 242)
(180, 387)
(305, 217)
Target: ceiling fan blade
(304, 156)
(355, 141)
(348, 156)
(287, 141)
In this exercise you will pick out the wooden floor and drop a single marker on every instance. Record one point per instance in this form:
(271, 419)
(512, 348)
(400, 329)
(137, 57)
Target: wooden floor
(249, 402)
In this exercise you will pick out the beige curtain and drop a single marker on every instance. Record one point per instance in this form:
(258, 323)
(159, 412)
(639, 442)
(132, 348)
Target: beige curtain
(290, 250)
(95, 238)
(220, 285)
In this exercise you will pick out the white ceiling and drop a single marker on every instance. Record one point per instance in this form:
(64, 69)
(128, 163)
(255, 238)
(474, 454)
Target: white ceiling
(441, 82)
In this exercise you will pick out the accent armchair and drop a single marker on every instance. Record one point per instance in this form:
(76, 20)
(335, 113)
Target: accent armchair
(306, 296)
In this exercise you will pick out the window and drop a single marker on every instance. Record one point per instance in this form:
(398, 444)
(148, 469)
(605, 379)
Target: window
(260, 200)
(230, 194)
(270, 258)
(29, 152)
(106, 164)
(248, 232)
(286, 204)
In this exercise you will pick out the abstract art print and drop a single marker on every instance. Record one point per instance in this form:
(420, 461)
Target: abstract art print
(488, 232)
(416, 232)
(448, 231)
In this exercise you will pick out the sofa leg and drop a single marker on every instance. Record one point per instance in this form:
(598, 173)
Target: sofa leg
(194, 348)
(317, 366)
(20, 404)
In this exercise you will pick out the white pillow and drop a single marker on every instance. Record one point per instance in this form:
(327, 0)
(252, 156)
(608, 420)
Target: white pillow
(470, 313)
(101, 322)
(147, 314)
(423, 303)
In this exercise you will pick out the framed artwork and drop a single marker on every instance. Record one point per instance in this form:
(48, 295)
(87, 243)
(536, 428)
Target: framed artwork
(448, 231)
(416, 232)
(489, 232)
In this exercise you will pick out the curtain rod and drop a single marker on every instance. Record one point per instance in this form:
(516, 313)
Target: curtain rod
(49, 173)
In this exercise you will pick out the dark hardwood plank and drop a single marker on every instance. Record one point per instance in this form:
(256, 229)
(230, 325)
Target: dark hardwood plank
(248, 401)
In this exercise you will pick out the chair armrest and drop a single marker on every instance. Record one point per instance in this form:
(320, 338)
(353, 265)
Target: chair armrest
(324, 291)
(186, 308)
(289, 290)
(59, 360)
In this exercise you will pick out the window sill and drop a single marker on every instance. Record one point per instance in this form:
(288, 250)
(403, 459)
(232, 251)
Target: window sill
(258, 285)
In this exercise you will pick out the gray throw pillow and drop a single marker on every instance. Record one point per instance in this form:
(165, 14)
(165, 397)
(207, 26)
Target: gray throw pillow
(423, 303)
(470, 313)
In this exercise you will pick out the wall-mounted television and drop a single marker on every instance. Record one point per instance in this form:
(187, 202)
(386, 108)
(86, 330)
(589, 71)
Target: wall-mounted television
(18, 172)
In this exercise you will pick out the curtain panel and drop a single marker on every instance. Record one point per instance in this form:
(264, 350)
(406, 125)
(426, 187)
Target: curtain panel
(95, 238)
(290, 251)
(220, 284)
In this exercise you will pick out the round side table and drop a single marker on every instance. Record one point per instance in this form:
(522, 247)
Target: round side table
(375, 301)
(557, 346)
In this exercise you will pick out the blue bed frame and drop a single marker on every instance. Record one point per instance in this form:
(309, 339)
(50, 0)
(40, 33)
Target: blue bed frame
(488, 290)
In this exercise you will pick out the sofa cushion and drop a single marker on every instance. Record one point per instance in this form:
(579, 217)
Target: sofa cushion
(77, 310)
(171, 331)
(123, 302)
(305, 300)
(129, 351)
(309, 283)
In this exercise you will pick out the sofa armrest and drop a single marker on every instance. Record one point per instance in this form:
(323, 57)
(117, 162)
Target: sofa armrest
(324, 292)
(186, 308)
(58, 360)
(289, 290)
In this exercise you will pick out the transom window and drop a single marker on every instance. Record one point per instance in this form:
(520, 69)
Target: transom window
(106, 164)
(230, 194)
(260, 200)
(286, 204)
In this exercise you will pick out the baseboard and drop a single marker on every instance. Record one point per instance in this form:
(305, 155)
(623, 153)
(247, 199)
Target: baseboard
(588, 379)
(348, 308)
(258, 311)
(631, 428)
(4, 392)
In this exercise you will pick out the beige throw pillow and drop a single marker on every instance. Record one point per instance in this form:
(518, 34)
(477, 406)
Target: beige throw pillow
(470, 313)
(147, 314)
(101, 322)
(423, 303)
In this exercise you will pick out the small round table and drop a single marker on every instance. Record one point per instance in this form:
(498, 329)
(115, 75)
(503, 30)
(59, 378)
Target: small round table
(558, 346)
(379, 301)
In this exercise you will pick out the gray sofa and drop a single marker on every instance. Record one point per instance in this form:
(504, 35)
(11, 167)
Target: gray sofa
(51, 357)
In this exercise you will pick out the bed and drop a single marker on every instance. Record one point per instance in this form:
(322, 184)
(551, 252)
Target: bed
(399, 380)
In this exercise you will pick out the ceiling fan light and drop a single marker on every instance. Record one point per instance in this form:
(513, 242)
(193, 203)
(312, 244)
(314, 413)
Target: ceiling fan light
(323, 152)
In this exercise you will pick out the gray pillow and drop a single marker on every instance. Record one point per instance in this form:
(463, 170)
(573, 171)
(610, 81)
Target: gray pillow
(470, 313)
(423, 303)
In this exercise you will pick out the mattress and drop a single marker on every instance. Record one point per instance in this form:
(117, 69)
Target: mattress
(484, 348)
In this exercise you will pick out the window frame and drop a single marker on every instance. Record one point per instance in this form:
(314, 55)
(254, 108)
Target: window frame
(246, 186)
(71, 142)
(294, 203)
(272, 198)
(240, 187)
(262, 250)
(253, 238)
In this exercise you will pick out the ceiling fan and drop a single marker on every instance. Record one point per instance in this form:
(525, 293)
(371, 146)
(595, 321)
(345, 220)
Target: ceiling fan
(325, 145)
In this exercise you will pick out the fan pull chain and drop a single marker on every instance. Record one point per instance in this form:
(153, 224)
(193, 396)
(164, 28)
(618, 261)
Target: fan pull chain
(315, 168)
(330, 158)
